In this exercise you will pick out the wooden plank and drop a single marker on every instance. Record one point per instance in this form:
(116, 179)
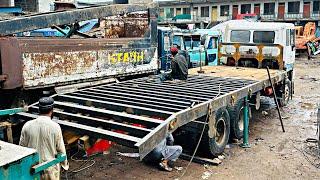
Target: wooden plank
(236, 72)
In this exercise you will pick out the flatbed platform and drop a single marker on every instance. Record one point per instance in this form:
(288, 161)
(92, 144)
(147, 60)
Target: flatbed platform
(139, 113)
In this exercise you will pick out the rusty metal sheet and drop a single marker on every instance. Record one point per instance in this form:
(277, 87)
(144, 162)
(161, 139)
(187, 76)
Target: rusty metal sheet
(49, 19)
(128, 25)
(43, 62)
(10, 63)
(54, 68)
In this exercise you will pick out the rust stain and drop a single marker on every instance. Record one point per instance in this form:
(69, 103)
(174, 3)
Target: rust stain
(128, 25)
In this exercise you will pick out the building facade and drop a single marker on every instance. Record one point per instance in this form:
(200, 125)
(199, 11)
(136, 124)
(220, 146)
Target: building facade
(218, 10)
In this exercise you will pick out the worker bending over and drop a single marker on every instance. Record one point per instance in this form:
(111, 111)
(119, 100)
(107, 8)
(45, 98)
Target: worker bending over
(164, 153)
(45, 136)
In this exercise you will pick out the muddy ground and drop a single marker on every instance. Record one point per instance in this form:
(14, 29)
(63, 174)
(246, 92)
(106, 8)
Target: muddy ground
(273, 154)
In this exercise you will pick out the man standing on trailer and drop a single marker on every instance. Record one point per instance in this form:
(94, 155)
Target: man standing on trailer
(45, 136)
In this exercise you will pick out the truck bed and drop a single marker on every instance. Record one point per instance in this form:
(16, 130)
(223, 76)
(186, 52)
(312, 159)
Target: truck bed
(138, 113)
(237, 72)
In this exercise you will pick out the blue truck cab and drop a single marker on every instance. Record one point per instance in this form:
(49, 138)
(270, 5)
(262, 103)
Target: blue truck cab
(208, 55)
(167, 38)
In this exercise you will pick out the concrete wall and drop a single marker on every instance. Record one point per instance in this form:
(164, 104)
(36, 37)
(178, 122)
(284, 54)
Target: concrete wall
(238, 3)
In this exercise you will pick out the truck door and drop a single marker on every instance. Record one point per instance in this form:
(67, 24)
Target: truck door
(164, 50)
(306, 9)
(212, 51)
(234, 11)
(281, 10)
(289, 49)
(214, 14)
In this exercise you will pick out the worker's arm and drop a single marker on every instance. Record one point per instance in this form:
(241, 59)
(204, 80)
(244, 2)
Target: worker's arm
(61, 148)
(23, 140)
(170, 139)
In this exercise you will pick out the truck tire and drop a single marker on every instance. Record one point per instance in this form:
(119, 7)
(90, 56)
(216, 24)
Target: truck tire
(286, 94)
(222, 125)
(236, 119)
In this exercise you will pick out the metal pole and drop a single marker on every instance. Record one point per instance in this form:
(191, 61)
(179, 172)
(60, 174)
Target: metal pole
(245, 143)
(318, 129)
(200, 50)
(275, 99)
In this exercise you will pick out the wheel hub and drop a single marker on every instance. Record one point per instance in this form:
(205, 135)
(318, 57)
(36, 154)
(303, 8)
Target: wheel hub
(221, 131)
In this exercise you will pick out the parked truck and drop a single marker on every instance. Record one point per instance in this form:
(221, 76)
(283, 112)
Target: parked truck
(208, 53)
(139, 113)
(169, 37)
(128, 48)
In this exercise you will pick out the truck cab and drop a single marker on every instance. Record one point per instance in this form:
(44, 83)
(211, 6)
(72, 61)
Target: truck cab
(209, 53)
(258, 44)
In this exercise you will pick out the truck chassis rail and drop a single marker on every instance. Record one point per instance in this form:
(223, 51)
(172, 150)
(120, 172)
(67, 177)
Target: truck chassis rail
(139, 113)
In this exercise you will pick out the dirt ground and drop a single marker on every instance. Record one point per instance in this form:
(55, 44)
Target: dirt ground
(273, 154)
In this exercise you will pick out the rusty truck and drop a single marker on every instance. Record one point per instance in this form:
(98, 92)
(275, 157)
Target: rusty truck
(139, 112)
(128, 47)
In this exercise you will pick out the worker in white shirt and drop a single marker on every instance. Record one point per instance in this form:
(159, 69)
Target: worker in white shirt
(45, 135)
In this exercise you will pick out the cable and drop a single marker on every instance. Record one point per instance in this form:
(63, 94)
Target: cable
(76, 170)
(200, 138)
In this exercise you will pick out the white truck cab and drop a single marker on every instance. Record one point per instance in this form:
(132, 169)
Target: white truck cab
(276, 40)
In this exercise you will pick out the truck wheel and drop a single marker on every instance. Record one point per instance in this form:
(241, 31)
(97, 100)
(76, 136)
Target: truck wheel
(222, 125)
(286, 94)
(236, 119)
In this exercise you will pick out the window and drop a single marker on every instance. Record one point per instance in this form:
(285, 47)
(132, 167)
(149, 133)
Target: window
(166, 42)
(263, 36)
(316, 6)
(212, 43)
(245, 8)
(169, 12)
(178, 11)
(196, 41)
(224, 10)
(161, 12)
(291, 35)
(205, 11)
(240, 36)
(195, 12)
(177, 41)
(186, 10)
(187, 41)
(268, 8)
(293, 7)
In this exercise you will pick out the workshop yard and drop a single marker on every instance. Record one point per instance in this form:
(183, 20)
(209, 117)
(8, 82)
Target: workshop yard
(273, 154)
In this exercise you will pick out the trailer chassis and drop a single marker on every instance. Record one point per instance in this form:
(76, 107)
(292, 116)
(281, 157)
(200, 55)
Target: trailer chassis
(144, 109)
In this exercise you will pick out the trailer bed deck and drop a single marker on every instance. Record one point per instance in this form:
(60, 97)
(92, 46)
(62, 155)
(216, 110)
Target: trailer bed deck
(139, 113)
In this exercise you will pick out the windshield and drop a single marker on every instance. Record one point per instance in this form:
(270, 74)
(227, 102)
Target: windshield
(187, 41)
(196, 41)
(177, 40)
(263, 36)
(240, 36)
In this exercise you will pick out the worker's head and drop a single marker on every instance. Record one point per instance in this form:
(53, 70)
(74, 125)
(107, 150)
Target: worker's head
(174, 50)
(46, 106)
